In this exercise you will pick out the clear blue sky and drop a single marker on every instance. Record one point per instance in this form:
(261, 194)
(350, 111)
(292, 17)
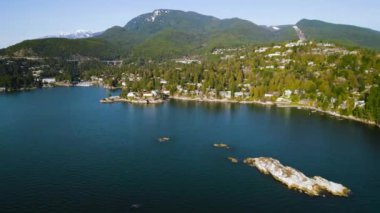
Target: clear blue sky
(26, 19)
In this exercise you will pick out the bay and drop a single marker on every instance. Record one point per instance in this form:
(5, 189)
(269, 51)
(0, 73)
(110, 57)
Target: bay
(63, 151)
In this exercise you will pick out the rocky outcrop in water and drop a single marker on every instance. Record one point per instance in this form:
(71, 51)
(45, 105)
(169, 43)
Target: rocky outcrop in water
(233, 160)
(295, 179)
(163, 139)
(221, 145)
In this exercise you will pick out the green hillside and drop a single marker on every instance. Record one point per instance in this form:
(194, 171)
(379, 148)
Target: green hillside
(59, 47)
(343, 34)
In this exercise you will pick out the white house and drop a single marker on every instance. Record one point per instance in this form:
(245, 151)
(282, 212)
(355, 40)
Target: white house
(154, 93)
(225, 94)
(276, 54)
(261, 50)
(360, 104)
(147, 95)
(268, 95)
(48, 80)
(287, 93)
(238, 94)
(131, 95)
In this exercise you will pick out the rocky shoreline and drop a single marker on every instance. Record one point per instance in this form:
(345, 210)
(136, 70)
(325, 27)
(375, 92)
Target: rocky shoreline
(294, 179)
(117, 99)
(270, 103)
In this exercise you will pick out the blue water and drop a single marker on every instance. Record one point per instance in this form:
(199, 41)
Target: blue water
(63, 151)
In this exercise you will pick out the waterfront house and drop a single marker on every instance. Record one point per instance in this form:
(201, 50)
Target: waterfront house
(48, 80)
(154, 93)
(268, 95)
(287, 93)
(238, 94)
(131, 95)
(225, 94)
(147, 95)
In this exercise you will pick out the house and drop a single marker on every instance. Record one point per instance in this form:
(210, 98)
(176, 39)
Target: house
(37, 73)
(2, 89)
(187, 61)
(238, 94)
(166, 92)
(225, 94)
(261, 50)
(276, 54)
(360, 104)
(268, 95)
(163, 82)
(154, 93)
(287, 93)
(124, 84)
(131, 95)
(48, 80)
(147, 95)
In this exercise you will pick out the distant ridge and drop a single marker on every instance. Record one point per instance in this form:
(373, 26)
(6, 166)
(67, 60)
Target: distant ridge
(172, 33)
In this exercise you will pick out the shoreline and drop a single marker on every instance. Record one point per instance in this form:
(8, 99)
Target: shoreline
(124, 100)
(270, 103)
(208, 100)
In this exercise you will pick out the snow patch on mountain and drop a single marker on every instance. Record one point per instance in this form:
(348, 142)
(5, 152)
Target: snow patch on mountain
(76, 35)
(156, 14)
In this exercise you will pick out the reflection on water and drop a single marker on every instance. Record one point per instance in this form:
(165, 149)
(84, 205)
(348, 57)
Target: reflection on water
(207, 106)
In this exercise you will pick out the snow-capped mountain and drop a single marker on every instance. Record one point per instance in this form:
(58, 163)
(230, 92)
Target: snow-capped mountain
(76, 35)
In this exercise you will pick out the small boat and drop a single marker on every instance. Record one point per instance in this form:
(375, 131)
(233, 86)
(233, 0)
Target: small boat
(163, 139)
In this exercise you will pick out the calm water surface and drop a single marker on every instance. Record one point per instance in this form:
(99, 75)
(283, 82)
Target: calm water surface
(63, 151)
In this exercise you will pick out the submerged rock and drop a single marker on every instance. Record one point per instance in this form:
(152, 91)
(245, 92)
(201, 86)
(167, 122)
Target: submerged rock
(221, 145)
(163, 139)
(233, 160)
(295, 179)
(135, 206)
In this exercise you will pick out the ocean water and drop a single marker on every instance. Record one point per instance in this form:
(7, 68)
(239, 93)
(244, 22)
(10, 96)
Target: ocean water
(63, 151)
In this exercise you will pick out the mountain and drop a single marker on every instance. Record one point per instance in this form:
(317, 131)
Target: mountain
(339, 33)
(170, 33)
(164, 34)
(76, 35)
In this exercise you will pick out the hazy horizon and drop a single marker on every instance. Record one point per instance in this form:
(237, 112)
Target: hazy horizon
(33, 19)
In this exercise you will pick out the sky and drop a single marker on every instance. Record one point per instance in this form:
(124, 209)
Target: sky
(29, 19)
